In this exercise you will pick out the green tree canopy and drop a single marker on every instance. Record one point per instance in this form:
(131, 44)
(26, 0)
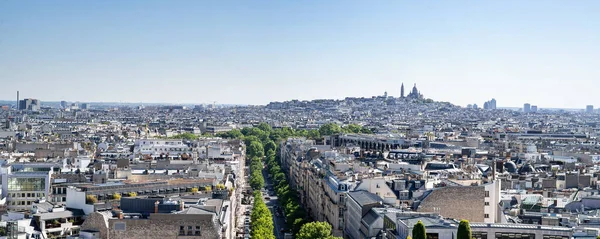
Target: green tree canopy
(270, 145)
(464, 230)
(264, 127)
(185, 136)
(315, 230)
(256, 180)
(352, 128)
(255, 149)
(232, 134)
(418, 231)
(330, 129)
(262, 220)
(313, 134)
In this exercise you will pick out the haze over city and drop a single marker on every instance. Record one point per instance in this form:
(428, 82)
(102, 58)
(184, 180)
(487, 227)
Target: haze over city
(255, 52)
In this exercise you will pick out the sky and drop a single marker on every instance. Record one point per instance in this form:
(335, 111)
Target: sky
(543, 52)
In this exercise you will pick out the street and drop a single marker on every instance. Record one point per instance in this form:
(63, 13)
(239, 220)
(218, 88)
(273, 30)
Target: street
(272, 203)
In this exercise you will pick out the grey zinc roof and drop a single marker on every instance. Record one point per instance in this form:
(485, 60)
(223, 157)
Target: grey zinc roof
(370, 217)
(365, 197)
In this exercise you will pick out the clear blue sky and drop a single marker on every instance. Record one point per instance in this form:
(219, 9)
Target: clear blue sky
(252, 52)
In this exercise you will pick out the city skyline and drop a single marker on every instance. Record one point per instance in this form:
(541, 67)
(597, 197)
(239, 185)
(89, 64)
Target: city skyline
(254, 53)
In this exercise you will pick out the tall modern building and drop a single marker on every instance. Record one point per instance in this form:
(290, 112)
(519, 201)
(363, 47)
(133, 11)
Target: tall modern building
(526, 108)
(534, 108)
(64, 104)
(490, 105)
(30, 104)
(589, 109)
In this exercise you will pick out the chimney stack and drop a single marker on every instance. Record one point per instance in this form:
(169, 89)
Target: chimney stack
(17, 108)
(494, 170)
(156, 206)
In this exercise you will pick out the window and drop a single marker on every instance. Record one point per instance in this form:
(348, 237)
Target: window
(505, 235)
(480, 235)
(181, 230)
(487, 203)
(487, 194)
(555, 237)
(26, 184)
(486, 215)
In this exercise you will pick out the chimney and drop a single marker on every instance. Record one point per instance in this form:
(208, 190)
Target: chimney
(181, 205)
(121, 215)
(17, 100)
(156, 206)
(494, 170)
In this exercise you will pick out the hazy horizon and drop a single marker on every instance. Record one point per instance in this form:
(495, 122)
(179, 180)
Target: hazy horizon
(180, 52)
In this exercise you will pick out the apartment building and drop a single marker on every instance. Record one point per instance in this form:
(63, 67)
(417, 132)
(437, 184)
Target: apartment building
(23, 188)
(162, 148)
(473, 203)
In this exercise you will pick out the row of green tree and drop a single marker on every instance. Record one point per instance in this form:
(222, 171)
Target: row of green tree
(263, 132)
(463, 231)
(288, 199)
(261, 219)
(256, 178)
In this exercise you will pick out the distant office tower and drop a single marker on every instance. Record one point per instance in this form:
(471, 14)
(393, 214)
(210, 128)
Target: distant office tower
(474, 106)
(490, 105)
(589, 109)
(402, 91)
(526, 108)
(29, 104)
(85, 106)
(469, 106)
(534, 108)
(63, 104)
